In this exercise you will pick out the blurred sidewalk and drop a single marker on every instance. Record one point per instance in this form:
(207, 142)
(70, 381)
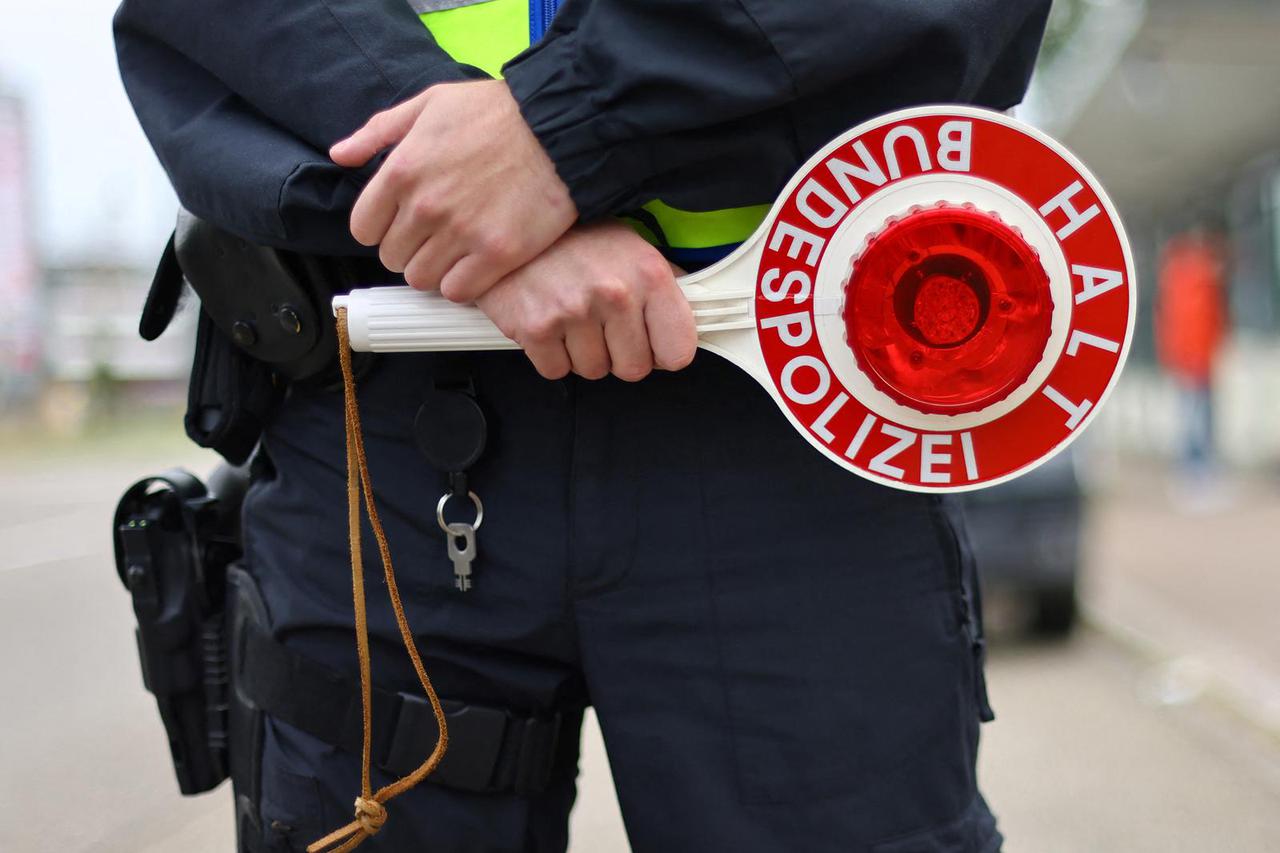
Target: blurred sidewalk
(1193, 584)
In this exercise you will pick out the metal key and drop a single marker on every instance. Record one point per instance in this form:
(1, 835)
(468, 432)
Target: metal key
(463, 556)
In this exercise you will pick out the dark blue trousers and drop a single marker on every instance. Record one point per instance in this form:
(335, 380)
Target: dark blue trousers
(783, 656)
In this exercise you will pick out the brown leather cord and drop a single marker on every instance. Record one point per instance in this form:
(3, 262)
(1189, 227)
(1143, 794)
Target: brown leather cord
(371, 812)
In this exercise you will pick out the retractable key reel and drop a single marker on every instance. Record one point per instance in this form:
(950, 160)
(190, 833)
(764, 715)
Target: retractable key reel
(941, 300)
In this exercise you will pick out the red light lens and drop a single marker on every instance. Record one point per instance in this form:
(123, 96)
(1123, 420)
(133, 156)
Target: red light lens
(948, 309)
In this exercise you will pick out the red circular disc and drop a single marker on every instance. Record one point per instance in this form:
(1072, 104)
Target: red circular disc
(947, 309)
(944, 298)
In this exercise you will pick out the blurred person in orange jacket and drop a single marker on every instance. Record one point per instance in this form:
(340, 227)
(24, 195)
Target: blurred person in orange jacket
(1190, 326)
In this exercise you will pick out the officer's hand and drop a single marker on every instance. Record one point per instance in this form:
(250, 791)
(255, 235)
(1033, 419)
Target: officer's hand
(600, 300)
(468, 194)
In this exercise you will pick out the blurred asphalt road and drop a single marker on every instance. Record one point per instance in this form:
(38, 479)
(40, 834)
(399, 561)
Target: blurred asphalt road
(1154, 731)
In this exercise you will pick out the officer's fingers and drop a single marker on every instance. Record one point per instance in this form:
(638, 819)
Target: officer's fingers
(402, 242)
(550, 358)
(427, 266)
(673, 335)
(630, 357)
(383, 130)
(586, 345)
(473, 274)
(374, 211)
(539, 332)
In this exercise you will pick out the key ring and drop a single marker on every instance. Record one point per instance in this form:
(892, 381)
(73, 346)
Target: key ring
(444, 499)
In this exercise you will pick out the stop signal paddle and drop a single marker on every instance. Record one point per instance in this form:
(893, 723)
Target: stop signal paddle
(940, 300)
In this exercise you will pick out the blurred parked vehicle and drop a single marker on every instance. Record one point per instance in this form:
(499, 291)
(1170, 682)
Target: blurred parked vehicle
(1026, 539)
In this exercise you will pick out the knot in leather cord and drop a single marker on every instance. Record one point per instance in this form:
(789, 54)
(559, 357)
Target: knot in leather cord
(371, 814)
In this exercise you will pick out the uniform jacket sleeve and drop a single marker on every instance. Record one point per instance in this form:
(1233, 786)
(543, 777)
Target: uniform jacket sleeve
(241, 100)
(621, 92)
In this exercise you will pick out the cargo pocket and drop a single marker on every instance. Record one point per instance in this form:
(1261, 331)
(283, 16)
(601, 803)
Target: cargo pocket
(291, 807)
(968, 591)
(974, 832)
(845, 668)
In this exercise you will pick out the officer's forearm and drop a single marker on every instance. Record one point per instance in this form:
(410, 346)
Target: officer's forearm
(611, 111)
(231, 166)
(317, 68)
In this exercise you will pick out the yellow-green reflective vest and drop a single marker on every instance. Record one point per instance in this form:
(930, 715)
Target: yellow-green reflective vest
(487, 33)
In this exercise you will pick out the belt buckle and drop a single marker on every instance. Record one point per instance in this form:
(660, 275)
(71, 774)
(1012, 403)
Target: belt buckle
(476, 734)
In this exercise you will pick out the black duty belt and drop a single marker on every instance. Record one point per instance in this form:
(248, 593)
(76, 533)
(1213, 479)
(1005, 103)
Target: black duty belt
(491, 750)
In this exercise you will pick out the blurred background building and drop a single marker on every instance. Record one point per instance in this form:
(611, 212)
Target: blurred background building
(19, 338)
(1175, 104)
(84, 211)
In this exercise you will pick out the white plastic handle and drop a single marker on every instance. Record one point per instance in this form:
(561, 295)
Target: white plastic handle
(401, 319)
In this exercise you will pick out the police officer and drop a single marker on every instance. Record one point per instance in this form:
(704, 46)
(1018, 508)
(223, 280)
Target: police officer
(783, 657)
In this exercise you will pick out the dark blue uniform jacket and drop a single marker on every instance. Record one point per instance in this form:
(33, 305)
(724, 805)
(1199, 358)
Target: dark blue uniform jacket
(702, 103)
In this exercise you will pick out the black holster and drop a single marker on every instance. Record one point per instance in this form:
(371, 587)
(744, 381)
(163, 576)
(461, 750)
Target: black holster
(174, 539)
(265, 321)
